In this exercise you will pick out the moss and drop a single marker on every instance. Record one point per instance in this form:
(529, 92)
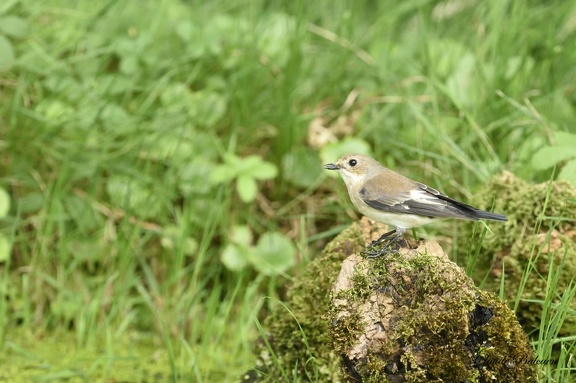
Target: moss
(527, 236)
(504, 334)
(304, 339)
(410, 316)
(55, 356)
(424, 321)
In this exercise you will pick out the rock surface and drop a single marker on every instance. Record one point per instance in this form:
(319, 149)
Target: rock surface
(408, 316)
(414, 316)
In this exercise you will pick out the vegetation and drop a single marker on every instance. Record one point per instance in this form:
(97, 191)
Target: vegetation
(161, 160)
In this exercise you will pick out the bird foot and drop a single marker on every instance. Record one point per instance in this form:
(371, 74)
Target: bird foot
(382, 238)
(388, 248)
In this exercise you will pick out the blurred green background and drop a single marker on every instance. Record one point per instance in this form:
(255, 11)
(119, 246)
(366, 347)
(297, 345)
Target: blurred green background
(161, 160)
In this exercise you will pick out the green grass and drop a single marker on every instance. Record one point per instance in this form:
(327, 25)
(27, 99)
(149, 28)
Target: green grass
(113, 115)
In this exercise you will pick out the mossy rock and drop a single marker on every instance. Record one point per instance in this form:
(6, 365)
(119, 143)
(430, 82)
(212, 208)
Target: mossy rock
(299, 333)
(313, 340)
(414, 316)
(534, 234)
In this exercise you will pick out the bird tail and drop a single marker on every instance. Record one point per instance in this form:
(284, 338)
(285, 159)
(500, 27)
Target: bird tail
(481, 214)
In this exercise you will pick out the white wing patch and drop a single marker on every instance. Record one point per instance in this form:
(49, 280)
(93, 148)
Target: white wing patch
(418, 195)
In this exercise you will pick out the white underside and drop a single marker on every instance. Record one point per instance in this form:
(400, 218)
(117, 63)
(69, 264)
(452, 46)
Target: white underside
(405, 221)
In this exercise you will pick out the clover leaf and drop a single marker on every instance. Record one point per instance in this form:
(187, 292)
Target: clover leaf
(245, 171)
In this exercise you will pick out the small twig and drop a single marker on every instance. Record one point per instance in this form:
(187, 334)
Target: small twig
(331, 36)
(118, 214)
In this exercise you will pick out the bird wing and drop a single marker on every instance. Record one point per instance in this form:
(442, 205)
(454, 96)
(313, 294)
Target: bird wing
(415, 198)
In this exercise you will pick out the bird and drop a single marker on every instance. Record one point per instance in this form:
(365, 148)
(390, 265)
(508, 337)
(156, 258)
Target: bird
(388, 197)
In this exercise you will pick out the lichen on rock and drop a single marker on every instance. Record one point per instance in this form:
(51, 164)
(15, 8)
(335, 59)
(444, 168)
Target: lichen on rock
(414, 316)
(409, 316)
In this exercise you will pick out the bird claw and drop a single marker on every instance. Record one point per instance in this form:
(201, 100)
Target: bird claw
(370, 254)
(397, 234)
(382, 238)
(375, 254)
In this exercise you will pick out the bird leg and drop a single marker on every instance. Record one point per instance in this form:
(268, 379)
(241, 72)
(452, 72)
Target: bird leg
(383, 237)
(375, 254)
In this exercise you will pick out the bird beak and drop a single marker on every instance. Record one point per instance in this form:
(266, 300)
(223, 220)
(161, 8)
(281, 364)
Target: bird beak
(331, 167)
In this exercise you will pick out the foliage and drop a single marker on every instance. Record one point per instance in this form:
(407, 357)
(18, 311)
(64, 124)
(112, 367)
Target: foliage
(136, 137)
(539, 235)
(245, 171)
(565, 150)
(273, 254)
(11, 27)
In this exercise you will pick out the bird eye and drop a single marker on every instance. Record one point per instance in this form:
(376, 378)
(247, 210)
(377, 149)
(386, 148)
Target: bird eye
(352, 163)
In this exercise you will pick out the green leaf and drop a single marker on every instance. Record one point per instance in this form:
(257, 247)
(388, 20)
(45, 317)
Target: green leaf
(136, 196)
(231, 159)
(247, 188)
(264, 171)
(193, 174)
(81, 212)
(129, 65)
(275, 33)
(251, 166)
(513, 65)
(446, 54)
(13, 26)
(223, 173)
(566, 139)
(460, 82)
(234, 257)
(169, 147)
(247, 164)
(302, 167)
(549, 156)
(31, 202)
(6, 5)
(568, 172)
(241, 235)
(6, 54)
(206, 107)
(190, 246)
(274, 254)
(4, 203)
(5, 248)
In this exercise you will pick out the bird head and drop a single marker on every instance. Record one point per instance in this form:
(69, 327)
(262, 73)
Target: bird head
(354, 167)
